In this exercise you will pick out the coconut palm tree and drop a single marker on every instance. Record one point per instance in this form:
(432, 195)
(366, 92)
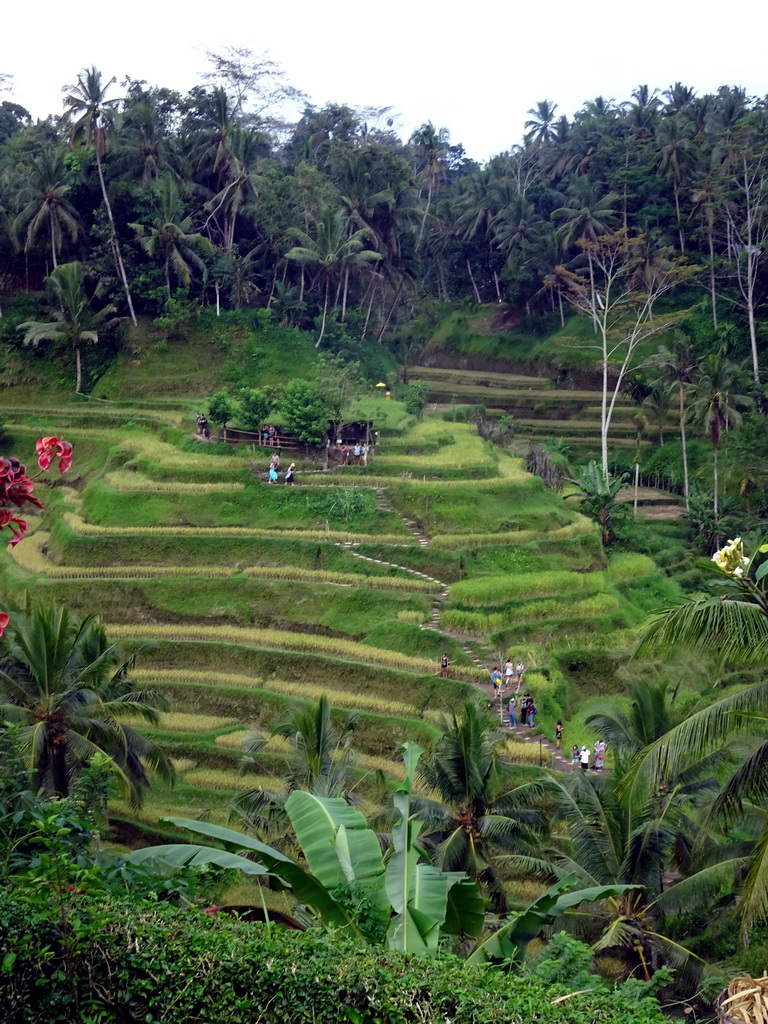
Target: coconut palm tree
(539, 128)
(69, 688)
(74, 320)
(90, 113)
(320, 762)
(334, 249)
(605, 839)
(732, 627)
(477, 807)
(44, 203)
(679, 365)
(676, 159)
(430, 145)
(717, 403)
(170, 234)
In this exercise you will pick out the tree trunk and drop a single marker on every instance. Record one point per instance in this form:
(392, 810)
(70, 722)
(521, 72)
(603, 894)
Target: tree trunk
(478, 300)
(424, 218)
(686, 488)
(370, 308)
(116, 255)
(53, 237)
(217, 289)
(712, 279)
(78, 371)
(325, 313)
(637, 481)
(679, 222)
(496, 282)
(344, 296)
(604, 415)
(714, 463)
(59, 773)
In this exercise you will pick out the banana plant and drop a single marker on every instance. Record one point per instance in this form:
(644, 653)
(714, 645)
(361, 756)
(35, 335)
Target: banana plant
(510, 942)
(421, 901)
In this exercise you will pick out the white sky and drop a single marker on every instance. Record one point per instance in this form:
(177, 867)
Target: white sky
(474, 68)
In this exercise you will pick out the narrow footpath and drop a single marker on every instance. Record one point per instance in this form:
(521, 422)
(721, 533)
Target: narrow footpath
(521, 733)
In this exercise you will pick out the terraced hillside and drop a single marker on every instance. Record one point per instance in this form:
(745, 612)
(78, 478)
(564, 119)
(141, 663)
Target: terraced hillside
(541, 407)
(351, 584)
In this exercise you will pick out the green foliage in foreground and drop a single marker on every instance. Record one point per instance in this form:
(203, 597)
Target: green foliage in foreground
(84, 958)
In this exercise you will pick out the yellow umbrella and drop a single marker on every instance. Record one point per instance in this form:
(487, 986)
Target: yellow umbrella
(381, 384)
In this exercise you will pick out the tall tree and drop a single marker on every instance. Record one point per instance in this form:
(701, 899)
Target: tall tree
(620, 304)
(170, 233)
(334, 249)
(747, 216)
(74, 319)
(679, 365)
(90, 112)
(717, 403)
(430, 146)
(44, 203)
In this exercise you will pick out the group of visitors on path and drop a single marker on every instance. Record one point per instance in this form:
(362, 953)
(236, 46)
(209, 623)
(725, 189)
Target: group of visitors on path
(583, 756)
(202, 426)
(357, 451)
(273, 471)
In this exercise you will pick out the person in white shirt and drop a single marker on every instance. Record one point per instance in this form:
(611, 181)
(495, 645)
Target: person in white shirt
(584, 758)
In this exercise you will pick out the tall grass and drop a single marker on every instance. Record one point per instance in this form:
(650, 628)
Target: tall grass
(579, 528)
(79, 525)
(280, 639)
(500, 590)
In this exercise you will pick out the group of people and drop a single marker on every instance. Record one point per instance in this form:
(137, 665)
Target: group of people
(270, 435)
(202, 426)
(356, 451)
(513, 676)
(274, 471)
(584, 756)
(527, 709)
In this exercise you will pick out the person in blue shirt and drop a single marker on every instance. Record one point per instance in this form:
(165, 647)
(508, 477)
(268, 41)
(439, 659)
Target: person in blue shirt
(496, 680)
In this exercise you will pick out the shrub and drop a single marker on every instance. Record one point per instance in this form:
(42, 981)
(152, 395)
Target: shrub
(135, 961)
(255, 406)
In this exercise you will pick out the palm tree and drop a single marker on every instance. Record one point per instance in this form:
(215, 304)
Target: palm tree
(92, 111)
(477, 807)
(44, 203)
(679, 365)
(430, 145)
(717, 403)
(334, 250)
(539, 130)
(732, 627)
(320, 763)
(611, 841)
(68, 687)
(676, 159)
(141, 148)
(73, 319)
(170, 234)
(656, 405)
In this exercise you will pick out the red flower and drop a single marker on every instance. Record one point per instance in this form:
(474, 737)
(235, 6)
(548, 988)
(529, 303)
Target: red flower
(4, 620)
(18, 526)
(212, 910)
(49, 448)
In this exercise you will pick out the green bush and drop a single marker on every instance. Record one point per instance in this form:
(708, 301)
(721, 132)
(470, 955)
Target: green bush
(79, 958)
